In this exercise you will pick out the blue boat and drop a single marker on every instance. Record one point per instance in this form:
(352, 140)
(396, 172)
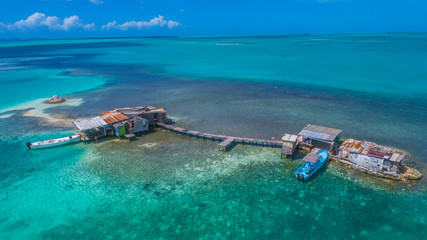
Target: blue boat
(313, 162)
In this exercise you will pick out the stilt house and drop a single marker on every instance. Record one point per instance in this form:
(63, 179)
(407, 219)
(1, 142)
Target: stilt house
(314, 136)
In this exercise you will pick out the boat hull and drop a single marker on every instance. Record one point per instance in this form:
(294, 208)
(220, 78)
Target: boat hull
(308, 169)
(54, 142)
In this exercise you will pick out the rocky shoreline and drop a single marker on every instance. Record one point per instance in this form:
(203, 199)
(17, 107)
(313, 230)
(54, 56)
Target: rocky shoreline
(55, 100)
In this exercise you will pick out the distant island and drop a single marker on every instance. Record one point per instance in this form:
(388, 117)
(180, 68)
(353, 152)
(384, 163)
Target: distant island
(55, 100)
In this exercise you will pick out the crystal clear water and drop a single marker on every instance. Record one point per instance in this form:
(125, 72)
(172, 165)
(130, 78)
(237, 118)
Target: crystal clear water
(163, 185)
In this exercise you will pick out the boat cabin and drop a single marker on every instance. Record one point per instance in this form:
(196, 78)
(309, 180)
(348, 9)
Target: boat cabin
(311, 157)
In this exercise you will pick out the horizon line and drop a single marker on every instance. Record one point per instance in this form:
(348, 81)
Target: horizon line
(206, 36)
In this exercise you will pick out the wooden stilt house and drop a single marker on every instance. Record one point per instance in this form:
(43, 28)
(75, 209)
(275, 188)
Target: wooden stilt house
(313, 136)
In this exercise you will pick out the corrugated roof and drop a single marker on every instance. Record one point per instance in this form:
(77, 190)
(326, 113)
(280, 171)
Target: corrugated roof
(319, 132)
(396, 157)
(90, 123)
(316, 128)
(311, 157)
(355, 146)
(289, 138)
(374, 153)
(371, 149)
(140, 110)
(113, 117)
(159, 110)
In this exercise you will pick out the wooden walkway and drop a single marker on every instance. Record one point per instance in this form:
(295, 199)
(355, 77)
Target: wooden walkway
(226, 140)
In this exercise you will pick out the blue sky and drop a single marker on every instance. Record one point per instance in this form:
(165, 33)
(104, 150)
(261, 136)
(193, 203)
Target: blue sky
(125, 18)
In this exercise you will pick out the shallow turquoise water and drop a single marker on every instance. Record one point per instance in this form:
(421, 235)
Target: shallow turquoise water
(43, 83)
(169, 186)
(382, 63)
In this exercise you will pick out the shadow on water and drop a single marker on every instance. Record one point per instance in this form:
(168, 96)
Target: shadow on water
(35, 50)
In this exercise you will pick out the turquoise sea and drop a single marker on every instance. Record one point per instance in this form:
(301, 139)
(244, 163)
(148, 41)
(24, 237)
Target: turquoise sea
(167, 186)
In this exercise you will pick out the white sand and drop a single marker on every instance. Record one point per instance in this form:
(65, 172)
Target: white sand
(36, 108)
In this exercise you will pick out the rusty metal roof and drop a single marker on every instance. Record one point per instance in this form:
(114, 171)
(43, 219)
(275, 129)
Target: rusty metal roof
(356, 146)
(113, 117)
(371, 149)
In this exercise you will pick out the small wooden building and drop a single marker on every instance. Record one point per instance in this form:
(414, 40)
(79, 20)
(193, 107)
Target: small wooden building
(314, 136)
(119, 129)
(112, 118)
(371, 156)
(112, 123)
(151, 114)
(88, 129)
(138, 125)
(289, 144)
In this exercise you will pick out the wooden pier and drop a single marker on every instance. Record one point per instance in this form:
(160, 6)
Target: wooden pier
(224, 145)
(226, 141)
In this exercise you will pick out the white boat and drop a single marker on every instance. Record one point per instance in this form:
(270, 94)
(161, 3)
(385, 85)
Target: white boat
(53, 142)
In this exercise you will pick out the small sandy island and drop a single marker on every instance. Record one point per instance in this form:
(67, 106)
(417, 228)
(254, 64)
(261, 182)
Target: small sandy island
(36, 108)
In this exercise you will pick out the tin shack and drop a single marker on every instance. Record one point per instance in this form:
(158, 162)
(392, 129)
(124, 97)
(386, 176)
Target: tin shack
(152, 114)
(116, 123)
(92, 128)
(313, 136)
(371, 156)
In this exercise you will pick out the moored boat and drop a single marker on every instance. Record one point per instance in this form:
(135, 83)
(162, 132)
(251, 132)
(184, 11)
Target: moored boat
(313, 162)
(53, 142)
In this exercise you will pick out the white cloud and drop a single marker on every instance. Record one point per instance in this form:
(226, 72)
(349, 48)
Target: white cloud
(51, 22)
(172, 24)
(109, 25)
(159, 21)
(40, 20)
(3, 26)
(89, 27)
(31, 21)
(97, 2)
(70, 22)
